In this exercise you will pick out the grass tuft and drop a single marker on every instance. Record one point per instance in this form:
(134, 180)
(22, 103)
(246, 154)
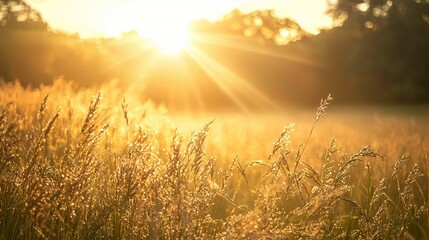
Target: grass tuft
(82, 172)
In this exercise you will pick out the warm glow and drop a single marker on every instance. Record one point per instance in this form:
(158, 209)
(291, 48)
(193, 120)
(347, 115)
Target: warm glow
(109, 18)
(170, 39)
(152, 60)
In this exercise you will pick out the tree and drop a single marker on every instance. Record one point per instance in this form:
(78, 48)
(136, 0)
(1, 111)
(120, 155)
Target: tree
(375, 14)
(18, 15)
(262, 25)
(387, 50)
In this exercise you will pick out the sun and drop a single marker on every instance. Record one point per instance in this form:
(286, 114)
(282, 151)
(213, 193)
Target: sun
(171, 39)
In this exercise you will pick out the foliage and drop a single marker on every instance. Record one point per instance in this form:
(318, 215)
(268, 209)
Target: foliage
(16, 14)
(379, 48)
(262, 25)
(53, 55)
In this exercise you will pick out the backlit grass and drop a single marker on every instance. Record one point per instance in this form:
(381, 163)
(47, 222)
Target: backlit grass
(90, 165)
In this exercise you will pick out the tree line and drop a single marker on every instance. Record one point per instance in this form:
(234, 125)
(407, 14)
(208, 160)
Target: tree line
(377, 52)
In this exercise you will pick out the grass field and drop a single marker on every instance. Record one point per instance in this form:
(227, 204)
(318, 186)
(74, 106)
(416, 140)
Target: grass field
(84, 165)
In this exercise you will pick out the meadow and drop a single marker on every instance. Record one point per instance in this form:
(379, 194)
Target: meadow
(98, 164)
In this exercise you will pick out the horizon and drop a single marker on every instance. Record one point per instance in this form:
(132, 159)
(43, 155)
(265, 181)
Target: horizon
(112, 18)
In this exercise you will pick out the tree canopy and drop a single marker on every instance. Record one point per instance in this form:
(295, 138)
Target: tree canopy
(16, 14)
(380, 47)
(262, 25)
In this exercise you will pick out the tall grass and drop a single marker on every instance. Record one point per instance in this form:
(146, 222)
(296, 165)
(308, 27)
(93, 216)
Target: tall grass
(75, 165)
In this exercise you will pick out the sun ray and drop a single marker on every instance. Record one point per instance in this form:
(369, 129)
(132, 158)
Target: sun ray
(206, 64)
(139, 75)
(186, 88)
(252, 45)
(196, 103)
(243, 94)
(130, 50)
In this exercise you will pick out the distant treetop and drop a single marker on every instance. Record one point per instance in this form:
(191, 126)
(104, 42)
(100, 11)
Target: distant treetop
(18, 15)
(262, 25)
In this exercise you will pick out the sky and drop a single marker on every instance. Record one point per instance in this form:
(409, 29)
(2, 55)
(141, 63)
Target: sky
(110, 18)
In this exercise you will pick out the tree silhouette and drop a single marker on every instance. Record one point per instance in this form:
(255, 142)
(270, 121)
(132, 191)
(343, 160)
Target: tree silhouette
(33, 54)
(375, 14)
(16, 14)
(262, 25)
(380, 48)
